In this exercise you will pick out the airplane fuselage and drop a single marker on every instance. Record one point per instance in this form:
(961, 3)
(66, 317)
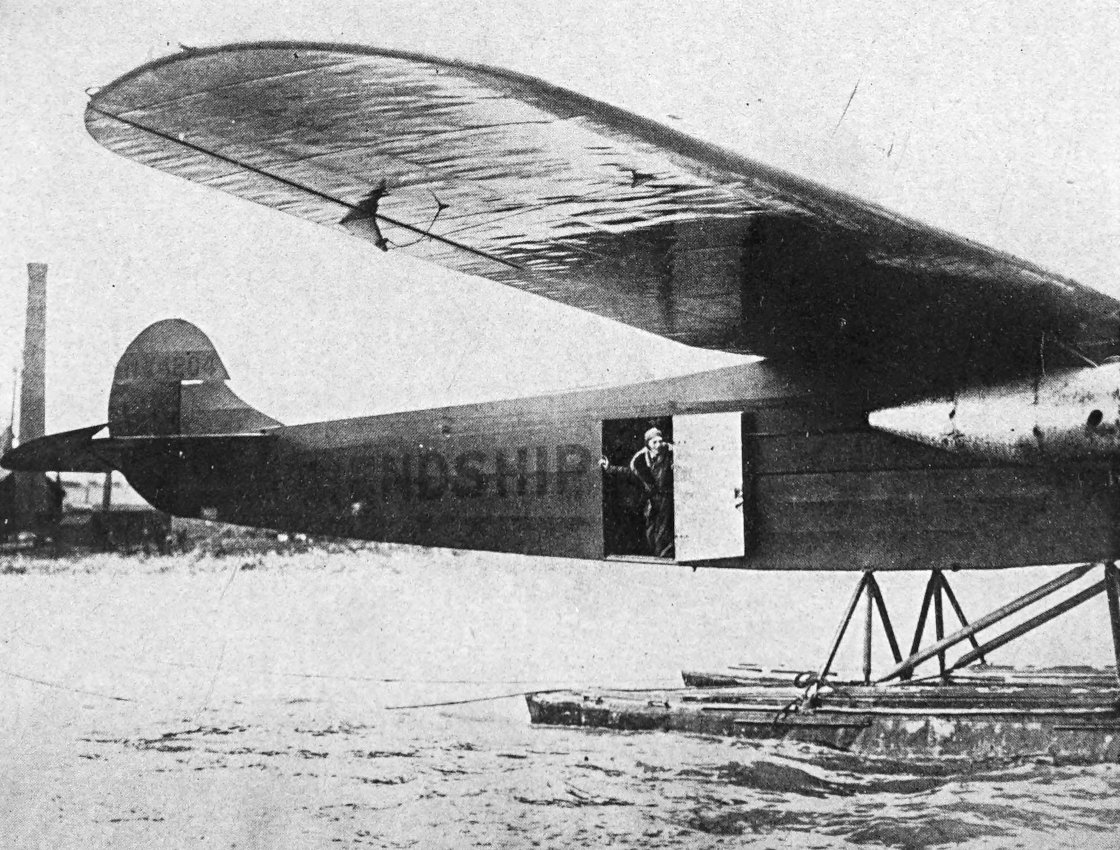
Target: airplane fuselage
(818, 487)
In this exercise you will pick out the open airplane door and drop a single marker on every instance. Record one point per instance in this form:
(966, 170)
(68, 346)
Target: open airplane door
(708, 486)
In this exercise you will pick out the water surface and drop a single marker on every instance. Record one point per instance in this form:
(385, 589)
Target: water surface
(252, 702)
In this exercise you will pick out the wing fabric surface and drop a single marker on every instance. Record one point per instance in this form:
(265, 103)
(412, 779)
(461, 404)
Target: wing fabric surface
(503, 176)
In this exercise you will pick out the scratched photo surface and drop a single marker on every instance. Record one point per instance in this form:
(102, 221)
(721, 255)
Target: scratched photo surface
(373, 695)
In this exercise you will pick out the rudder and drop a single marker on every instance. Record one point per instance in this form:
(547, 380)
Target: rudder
(171, 381)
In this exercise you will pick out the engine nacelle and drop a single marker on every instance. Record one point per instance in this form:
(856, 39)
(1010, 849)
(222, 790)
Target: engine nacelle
(1066, 415)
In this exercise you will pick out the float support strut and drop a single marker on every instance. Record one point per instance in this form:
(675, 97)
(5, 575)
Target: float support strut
(906, 668)
(1112, 588)
(935, 587)
(875, 602)
(1030, 625)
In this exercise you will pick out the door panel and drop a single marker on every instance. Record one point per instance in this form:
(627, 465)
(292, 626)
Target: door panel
(708, 486)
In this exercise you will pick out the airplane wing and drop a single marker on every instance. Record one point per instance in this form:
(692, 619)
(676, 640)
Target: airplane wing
(500, 175)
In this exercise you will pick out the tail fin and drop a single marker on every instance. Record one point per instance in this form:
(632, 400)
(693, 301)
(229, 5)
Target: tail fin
(171, 381)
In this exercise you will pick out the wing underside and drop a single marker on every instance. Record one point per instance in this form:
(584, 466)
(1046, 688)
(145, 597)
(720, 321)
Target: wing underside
(499, 175)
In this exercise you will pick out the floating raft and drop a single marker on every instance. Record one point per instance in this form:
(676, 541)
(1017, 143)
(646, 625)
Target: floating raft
(1067, 714)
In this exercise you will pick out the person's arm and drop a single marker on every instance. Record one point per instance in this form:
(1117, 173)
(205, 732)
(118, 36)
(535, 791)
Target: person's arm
(634, 461)
(642, 479)
(618, 471)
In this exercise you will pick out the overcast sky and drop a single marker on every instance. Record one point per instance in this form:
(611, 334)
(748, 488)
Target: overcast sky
(997, 121)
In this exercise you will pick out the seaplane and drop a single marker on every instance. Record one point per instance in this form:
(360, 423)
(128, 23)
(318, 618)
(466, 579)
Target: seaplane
(918, 401)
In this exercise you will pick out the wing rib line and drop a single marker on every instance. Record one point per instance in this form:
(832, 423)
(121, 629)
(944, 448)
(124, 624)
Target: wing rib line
(302, 188)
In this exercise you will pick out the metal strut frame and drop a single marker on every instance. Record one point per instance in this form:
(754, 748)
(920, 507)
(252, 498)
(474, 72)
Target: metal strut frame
(869, 586)
(938, 589)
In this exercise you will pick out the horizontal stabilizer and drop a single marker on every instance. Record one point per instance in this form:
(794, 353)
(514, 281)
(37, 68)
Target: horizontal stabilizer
(77, 451)
(70, 451)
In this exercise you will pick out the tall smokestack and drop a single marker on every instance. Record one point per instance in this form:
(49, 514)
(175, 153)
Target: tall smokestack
(33, 508)
(33, 393)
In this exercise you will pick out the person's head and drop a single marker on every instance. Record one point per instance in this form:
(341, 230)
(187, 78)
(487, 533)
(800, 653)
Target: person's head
(654, 441)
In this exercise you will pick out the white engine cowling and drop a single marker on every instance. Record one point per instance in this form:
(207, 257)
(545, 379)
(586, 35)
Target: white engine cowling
(1070, 414)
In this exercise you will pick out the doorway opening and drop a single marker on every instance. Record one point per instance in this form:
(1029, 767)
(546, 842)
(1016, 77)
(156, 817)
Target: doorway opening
(637, 506)
(684, 501)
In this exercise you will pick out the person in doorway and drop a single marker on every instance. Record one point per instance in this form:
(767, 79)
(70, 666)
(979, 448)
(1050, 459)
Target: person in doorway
(623, 499)
(653, 467)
